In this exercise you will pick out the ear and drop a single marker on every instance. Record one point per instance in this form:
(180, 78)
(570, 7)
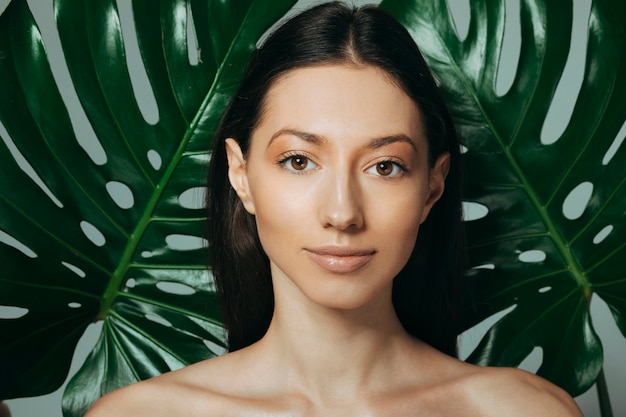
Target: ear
(238, 174)
(436, 182)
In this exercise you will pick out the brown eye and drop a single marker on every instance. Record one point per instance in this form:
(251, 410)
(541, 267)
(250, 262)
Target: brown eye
(299, 163)
(384, 168)
(387, 169)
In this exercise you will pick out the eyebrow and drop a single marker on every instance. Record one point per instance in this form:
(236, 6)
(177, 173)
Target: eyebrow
(386, 140)
(307, 137)
(321, 140)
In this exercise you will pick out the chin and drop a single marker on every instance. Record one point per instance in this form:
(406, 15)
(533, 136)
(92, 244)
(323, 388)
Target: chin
(349, 297)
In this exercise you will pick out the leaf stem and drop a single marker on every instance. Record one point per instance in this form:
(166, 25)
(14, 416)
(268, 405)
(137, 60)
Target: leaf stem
(562, 246)
(603, 395)
(553, 233)
(119, 274)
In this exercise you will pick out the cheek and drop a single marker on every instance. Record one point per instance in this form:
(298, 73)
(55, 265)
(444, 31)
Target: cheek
(281, 210)
(398, 209)
(397, 218)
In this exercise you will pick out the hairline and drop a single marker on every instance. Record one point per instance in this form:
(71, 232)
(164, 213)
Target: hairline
(353, 62)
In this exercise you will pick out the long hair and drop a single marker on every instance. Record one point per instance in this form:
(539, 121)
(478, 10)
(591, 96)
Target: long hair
(426, 293)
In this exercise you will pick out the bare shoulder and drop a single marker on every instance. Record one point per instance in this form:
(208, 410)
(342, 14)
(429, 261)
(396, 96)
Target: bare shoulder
(154, 397)
(188, 391)
(514, 392)
(455, 387)
(133, 400)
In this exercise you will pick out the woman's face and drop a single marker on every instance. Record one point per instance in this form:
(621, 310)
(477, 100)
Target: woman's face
(338, 180)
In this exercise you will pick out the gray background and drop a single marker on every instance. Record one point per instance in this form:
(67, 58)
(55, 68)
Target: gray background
(614, 343)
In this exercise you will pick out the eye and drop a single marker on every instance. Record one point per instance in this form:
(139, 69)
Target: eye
(386, 169)
(297, 163)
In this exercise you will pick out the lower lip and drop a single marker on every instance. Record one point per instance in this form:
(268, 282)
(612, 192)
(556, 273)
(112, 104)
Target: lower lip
(340, 264)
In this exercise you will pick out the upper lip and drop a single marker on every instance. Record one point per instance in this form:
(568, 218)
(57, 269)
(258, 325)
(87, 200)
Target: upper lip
(341, 251)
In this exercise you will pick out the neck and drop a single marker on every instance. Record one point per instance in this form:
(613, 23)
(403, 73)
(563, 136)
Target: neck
(332, 354)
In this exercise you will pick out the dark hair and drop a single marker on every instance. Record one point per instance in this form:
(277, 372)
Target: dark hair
(426, 293)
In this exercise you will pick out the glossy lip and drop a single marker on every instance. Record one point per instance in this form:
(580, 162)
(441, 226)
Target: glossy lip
(340, 259)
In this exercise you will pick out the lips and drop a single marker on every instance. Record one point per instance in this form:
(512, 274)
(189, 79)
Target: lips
(340, 259)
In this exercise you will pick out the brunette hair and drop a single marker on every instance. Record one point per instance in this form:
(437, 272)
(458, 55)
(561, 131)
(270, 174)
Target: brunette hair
(426, 293)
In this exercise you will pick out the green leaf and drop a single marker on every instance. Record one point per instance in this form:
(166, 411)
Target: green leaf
(524, 183)
(142, 267)
(154, 293)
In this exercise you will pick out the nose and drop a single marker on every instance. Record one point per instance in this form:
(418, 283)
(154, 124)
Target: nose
(341, 205)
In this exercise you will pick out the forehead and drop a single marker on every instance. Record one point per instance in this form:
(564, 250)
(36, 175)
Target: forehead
(341, 101)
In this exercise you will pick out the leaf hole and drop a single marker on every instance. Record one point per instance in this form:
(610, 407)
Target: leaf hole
(185, 242)
(470, 338)
(533, 361)
(85, 136)
(603, 234)
(9, 240)
(577, 200)
(460, 15)
(545, 289)
(93, 234)
(615, 146)
(147, 254)
(568, 88)
(155, 159)
(74, 269)
(121, 194)
(176, 288)
(74, 305)
(144, 95)
(131, 282)
(193, 49)
(511, 47)
(25, 166)
(532, 256)
(474, 211)
(12, 312)
(193, 198)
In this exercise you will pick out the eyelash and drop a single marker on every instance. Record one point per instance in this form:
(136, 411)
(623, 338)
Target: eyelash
(403, 168)
(290, 156)
(284, 159)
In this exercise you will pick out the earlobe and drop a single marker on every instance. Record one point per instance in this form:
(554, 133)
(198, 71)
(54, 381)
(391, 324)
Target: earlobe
(437, 182)
(238, 175)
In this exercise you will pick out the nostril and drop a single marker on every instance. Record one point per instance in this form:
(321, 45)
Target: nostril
(341, 206)
(343, 218)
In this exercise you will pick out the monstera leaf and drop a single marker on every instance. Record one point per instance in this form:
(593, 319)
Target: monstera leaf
(530, 257)
(112, 231)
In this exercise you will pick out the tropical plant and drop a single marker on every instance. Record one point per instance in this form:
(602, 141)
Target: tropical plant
(531, 253)
(113, 231)
(114, 235)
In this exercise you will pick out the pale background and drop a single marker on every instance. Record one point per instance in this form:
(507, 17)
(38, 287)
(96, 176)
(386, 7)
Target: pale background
(613, 342)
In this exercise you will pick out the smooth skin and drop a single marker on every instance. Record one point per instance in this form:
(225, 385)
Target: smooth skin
(338, 180)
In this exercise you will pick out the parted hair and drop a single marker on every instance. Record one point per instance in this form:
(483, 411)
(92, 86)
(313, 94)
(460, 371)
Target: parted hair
(427, 292)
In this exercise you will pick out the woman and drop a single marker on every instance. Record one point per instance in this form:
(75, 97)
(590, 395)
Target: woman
(336, 243)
